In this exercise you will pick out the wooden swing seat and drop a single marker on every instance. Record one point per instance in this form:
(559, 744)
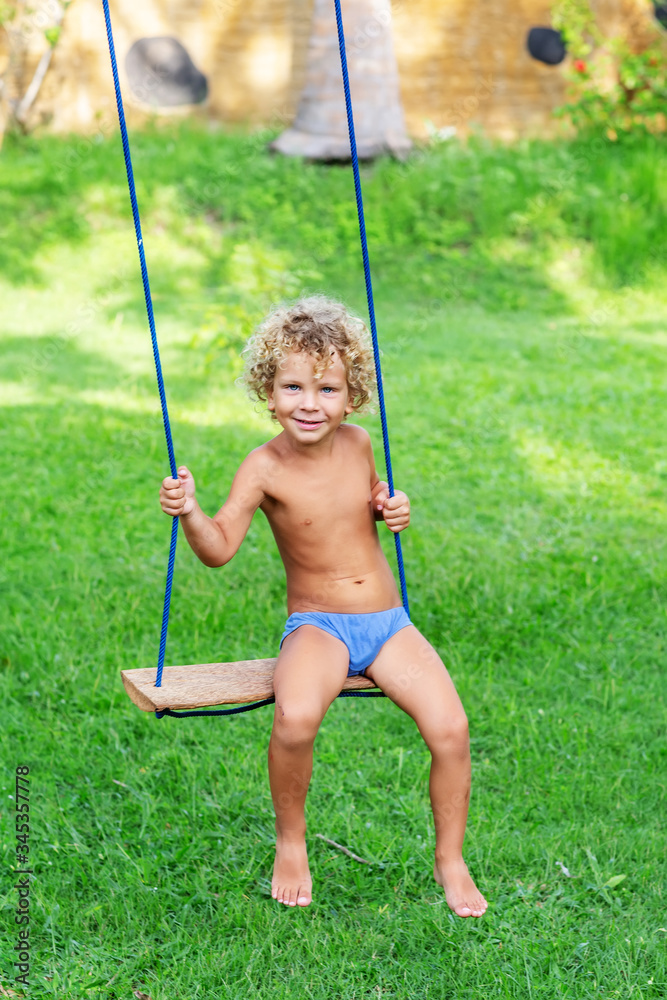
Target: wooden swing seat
(202, 685)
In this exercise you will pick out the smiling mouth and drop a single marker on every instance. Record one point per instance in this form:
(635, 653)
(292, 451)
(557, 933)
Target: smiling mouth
(309, 423)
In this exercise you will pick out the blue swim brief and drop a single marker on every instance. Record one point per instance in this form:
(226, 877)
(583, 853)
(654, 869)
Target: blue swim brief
(364, 635)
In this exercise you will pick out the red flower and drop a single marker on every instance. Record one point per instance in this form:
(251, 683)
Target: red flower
(580, 65)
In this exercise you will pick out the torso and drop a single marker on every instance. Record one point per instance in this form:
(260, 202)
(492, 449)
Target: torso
(325, 532)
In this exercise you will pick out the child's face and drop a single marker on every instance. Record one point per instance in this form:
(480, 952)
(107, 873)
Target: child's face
(309, 408)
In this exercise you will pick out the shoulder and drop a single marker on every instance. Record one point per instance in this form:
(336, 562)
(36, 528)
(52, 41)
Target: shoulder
(356, 435)
(354, 446)
(253, 472)
(263, 465)
(357, 439)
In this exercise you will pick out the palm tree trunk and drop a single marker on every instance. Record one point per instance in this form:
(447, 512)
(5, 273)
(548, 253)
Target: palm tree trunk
(319, 130)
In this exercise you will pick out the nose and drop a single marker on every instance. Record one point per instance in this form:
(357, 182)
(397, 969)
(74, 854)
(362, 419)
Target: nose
(309, 401)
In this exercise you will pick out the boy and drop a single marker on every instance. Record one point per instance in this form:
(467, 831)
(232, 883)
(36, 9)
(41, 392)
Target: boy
(317, 485)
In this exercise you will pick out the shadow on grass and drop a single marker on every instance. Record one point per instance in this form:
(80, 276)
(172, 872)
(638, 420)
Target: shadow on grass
(54, 363)
(439, 218)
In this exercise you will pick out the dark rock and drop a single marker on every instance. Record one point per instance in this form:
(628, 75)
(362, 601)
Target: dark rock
(546, 45)
(161, 73)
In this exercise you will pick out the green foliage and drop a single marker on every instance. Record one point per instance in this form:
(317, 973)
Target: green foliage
(525, 394)
(52, 35)
(8, 12)
(487, 218)
(612, 86)
(576, 22)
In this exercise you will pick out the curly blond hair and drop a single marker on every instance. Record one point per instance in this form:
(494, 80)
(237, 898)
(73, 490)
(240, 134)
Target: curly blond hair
(312, 325)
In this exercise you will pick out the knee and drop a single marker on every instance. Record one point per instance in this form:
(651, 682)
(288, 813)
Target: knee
(294, 725)
(449, 735)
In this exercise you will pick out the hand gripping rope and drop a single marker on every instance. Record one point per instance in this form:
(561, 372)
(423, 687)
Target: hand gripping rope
(160, 380)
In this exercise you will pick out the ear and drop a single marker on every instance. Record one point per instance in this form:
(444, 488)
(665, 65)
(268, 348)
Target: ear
(270, 405)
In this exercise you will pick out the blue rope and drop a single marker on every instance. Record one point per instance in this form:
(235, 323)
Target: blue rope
(369, 288)
(151, 324)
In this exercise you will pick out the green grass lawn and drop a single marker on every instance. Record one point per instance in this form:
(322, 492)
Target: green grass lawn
(520, 300)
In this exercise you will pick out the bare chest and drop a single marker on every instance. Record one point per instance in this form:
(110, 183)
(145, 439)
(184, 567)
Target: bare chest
(312, 502)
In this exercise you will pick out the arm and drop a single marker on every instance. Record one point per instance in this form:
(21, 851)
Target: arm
(394, 511)
(215, 540)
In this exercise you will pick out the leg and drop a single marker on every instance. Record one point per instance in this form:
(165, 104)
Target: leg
(411, 673)
(309, 674)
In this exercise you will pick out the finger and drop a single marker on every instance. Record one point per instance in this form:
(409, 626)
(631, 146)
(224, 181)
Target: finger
(397, 519)
(172, 497)
(172, 511)
(397, 527)
(398, 500)
(396, 515)
(172, 501)
(169, 483)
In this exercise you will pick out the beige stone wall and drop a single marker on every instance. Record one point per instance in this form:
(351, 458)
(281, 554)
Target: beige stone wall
(461, 63)
(464, 63)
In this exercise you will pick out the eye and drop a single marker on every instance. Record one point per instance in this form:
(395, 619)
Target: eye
(292, 386)
(328, 388)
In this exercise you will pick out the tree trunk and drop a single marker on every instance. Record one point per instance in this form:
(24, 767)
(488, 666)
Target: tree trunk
(319, 130)
(24, 24)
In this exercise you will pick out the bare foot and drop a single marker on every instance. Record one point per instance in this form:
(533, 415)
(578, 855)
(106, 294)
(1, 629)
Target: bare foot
(291, 883)
(461, 893)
